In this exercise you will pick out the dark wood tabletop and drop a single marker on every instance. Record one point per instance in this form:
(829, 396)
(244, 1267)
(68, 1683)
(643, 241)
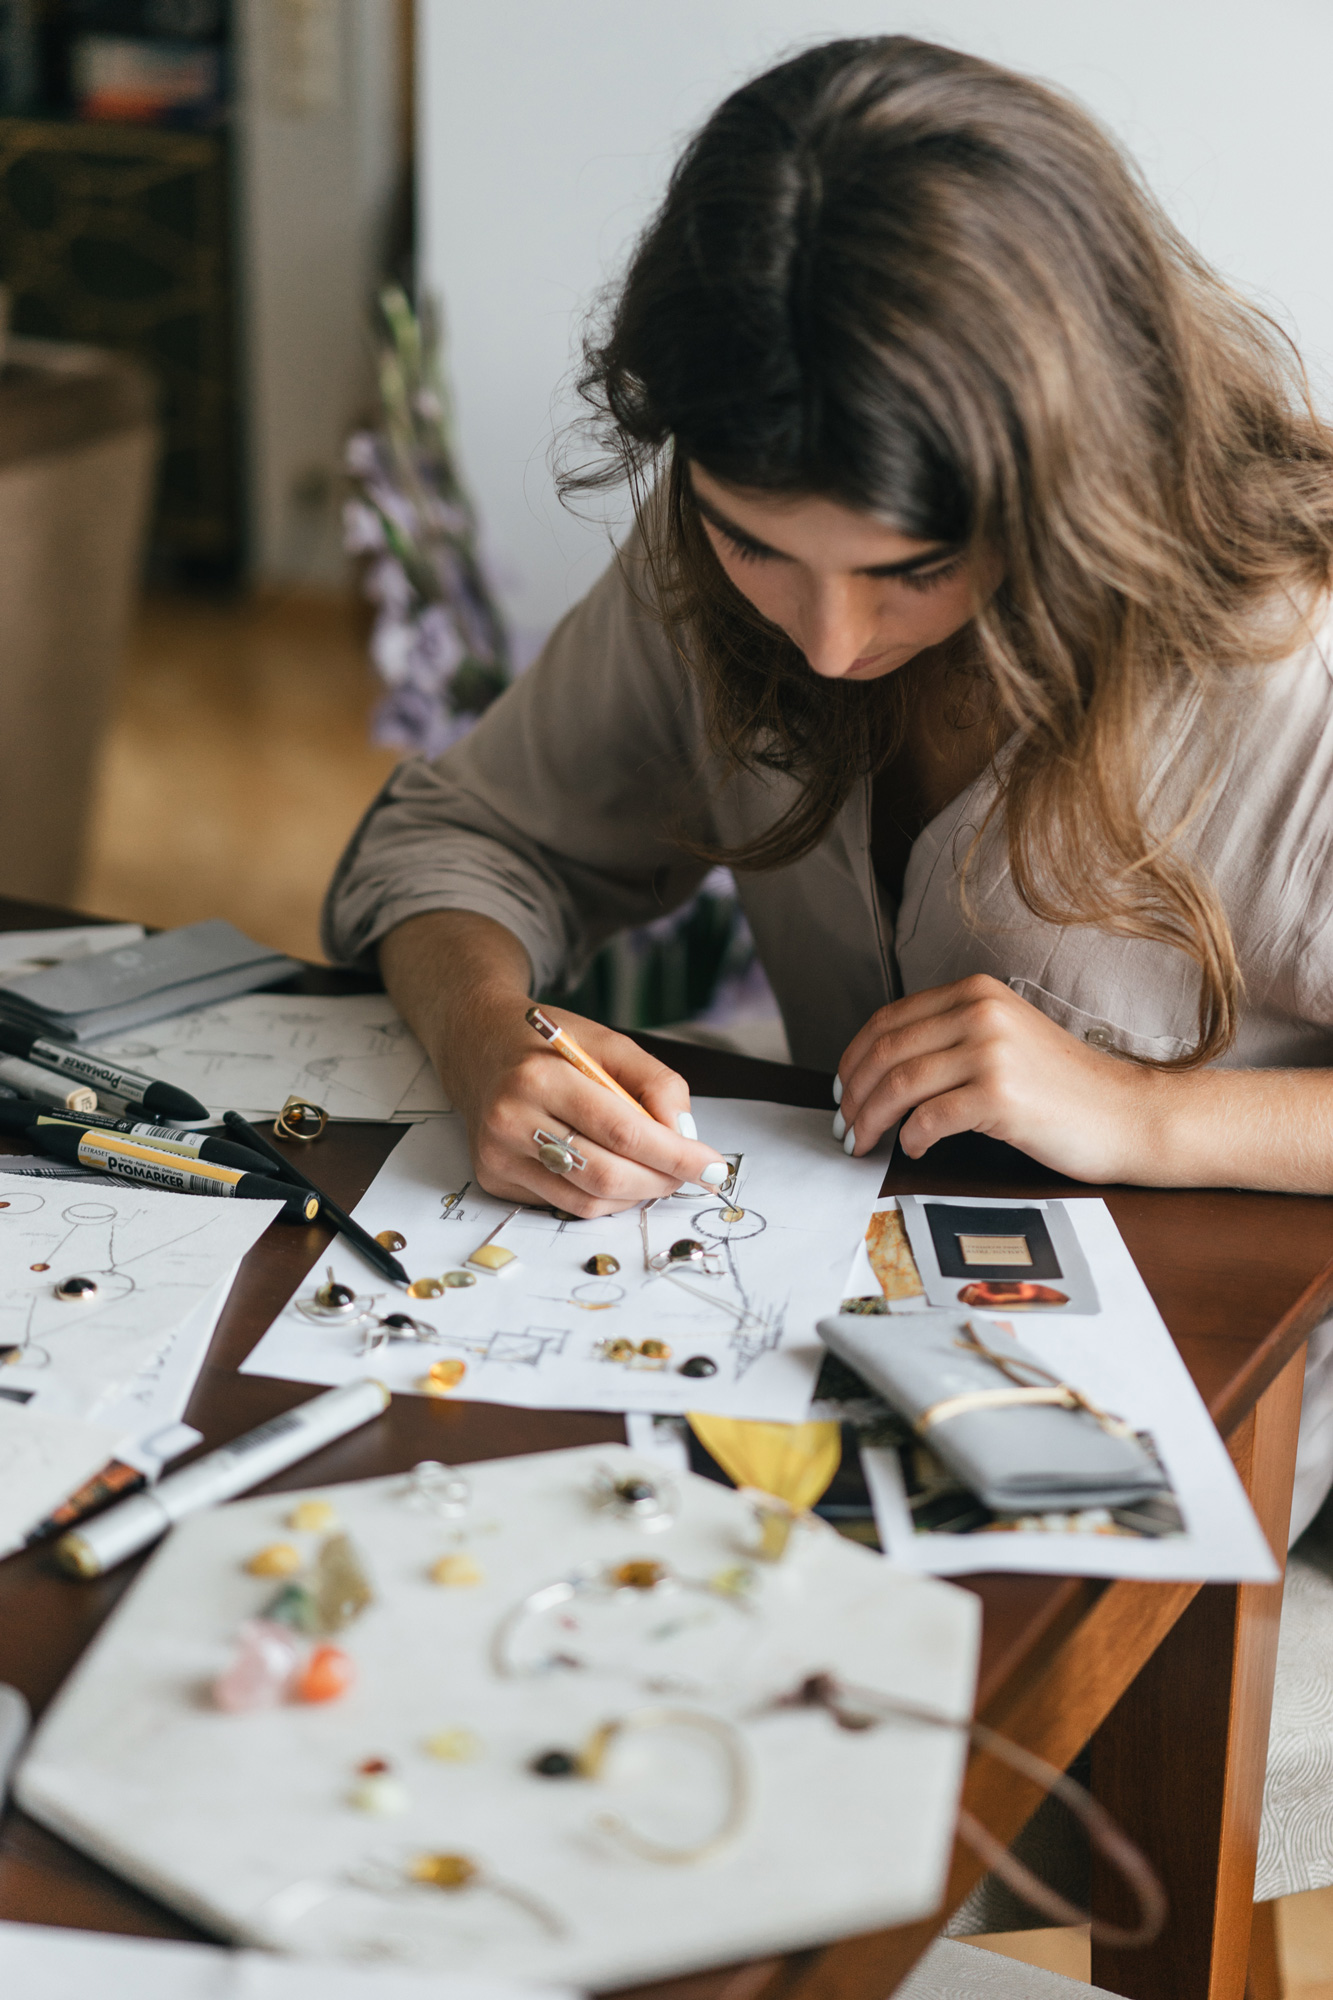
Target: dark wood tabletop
(1239, 1278)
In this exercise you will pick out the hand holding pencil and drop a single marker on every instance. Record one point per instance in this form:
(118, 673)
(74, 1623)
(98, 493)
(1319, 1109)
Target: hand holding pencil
(462, 981)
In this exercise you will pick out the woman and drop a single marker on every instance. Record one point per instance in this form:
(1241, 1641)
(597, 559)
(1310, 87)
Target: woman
(977, 616)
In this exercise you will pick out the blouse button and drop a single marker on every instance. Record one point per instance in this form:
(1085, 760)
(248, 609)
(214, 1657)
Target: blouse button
(1099, 1037)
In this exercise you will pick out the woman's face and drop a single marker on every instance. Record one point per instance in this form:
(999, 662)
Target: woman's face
(858, 599)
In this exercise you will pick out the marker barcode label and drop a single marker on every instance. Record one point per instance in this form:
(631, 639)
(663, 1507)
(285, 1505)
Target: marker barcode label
(275, 1427)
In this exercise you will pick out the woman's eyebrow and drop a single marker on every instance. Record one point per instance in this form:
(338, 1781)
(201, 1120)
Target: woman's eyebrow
(749, 541)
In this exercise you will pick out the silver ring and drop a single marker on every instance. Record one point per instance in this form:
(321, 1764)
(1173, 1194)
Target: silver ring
(558, 1156)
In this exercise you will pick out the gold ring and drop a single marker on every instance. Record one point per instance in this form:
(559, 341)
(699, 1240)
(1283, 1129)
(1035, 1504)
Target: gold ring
(301, 1120)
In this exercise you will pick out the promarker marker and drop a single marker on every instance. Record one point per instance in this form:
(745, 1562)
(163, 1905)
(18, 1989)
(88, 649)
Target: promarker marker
(123, 1530)
(99, 1074)
(131, 1160)
(24, 1079)
(185, 1145)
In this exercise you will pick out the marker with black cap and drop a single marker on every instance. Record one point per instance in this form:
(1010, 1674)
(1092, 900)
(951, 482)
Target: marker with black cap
(132, 1160)
(23, 1116)
(84, 1067)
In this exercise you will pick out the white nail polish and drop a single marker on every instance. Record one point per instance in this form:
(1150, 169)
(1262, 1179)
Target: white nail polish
(714, 1173)
(849, 1143)
(837, 1090)
(839, 1124)
(686, 1126)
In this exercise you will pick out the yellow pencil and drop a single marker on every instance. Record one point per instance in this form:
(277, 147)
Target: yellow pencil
(565, 1045)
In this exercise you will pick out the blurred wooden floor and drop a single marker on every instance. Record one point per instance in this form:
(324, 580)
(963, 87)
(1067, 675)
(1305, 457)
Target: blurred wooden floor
(236, 768)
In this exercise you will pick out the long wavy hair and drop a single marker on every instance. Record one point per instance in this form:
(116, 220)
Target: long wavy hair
(910, 281)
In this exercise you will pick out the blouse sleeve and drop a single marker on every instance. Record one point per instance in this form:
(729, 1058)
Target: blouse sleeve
(562, 814)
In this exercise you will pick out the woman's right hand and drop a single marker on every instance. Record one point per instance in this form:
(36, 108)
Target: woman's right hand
(461, 981)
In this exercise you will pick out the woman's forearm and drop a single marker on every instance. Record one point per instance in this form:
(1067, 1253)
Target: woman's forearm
(1251, 1128)
(450, 972)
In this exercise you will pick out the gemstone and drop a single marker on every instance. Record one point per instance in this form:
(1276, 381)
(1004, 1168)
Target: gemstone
(452, 1746)
(493, 1257)
(556, 1159)
(380, 1794)
(698, 1366)
(442, 1376)
(455, 1280)
(35, 1267)
(294, 1606)
(654, 1350)
(400, 1323)
(555, 1764)
(370, 1767)
(457, 1572)
(77, 1290)
(638, 1575)
(602, 1265)
(737, 1581)
(326, 1676)
(334, 1297)
(341, 1586)
(685, 1251)
(278, 1559)
(733, 1215)
(390, 1239)
(260, 1671)
(312, 1517)
(634, 1490)
(437, 1489)
(616, 1350)
(443, 1871)
(425, 1288)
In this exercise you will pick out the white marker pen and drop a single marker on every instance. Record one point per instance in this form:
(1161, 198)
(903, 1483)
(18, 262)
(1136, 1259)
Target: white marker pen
(271, 1447)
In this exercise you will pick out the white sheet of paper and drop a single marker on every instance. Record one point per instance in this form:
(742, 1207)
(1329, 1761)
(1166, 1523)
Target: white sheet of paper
(43, 1459)
(155, 1258)
(535, 1336)
(38, 1962)
(1124, 1359)
(159, 1393)
(352, 1053)
(24, 952)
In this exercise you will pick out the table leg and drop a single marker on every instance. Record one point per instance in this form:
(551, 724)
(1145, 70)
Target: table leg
(1180, 1760)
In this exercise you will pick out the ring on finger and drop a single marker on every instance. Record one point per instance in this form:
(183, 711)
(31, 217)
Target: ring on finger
(558, 1156)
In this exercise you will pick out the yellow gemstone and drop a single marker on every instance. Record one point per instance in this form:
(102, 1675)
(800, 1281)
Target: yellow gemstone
(390, 1239)
(452, 1746)
(443, 1871)
(602, 1265)
(425, 1288)
(655, 1350)
(442, 1376)
(456, 1571)
(638, 1575)
(493, 1257)
(735, 1582)
(733, 1215)
(278, 1559)
(312, 1517)
(616, 1350)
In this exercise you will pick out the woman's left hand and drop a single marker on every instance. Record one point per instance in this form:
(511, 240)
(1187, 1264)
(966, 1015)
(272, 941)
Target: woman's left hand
(974, 1057)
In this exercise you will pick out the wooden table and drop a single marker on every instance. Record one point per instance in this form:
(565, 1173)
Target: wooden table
(1171, 1683)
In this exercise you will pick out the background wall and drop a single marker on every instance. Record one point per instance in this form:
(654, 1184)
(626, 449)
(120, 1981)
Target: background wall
(318, 130)
(546, 134)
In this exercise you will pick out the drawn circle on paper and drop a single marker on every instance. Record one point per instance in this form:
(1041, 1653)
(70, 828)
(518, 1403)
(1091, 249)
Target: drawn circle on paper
(22, 1204)
(597, 1295)
(714, 1229)
(89, 1211)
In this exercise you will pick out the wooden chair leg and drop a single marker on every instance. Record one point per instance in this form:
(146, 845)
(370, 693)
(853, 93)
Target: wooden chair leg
(1264, 1979)
(1180, 1761)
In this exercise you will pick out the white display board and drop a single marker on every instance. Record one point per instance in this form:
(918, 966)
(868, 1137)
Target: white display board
(243, 1822)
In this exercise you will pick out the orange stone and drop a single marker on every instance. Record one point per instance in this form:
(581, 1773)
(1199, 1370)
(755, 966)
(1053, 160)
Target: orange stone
(326, 1676)
(443, 1871)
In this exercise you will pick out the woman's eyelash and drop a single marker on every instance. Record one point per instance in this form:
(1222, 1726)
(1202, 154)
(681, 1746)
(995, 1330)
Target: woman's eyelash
(927, 579)
(747, 551)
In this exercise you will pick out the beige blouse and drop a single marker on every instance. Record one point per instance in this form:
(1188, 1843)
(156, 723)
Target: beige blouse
(560, 816)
